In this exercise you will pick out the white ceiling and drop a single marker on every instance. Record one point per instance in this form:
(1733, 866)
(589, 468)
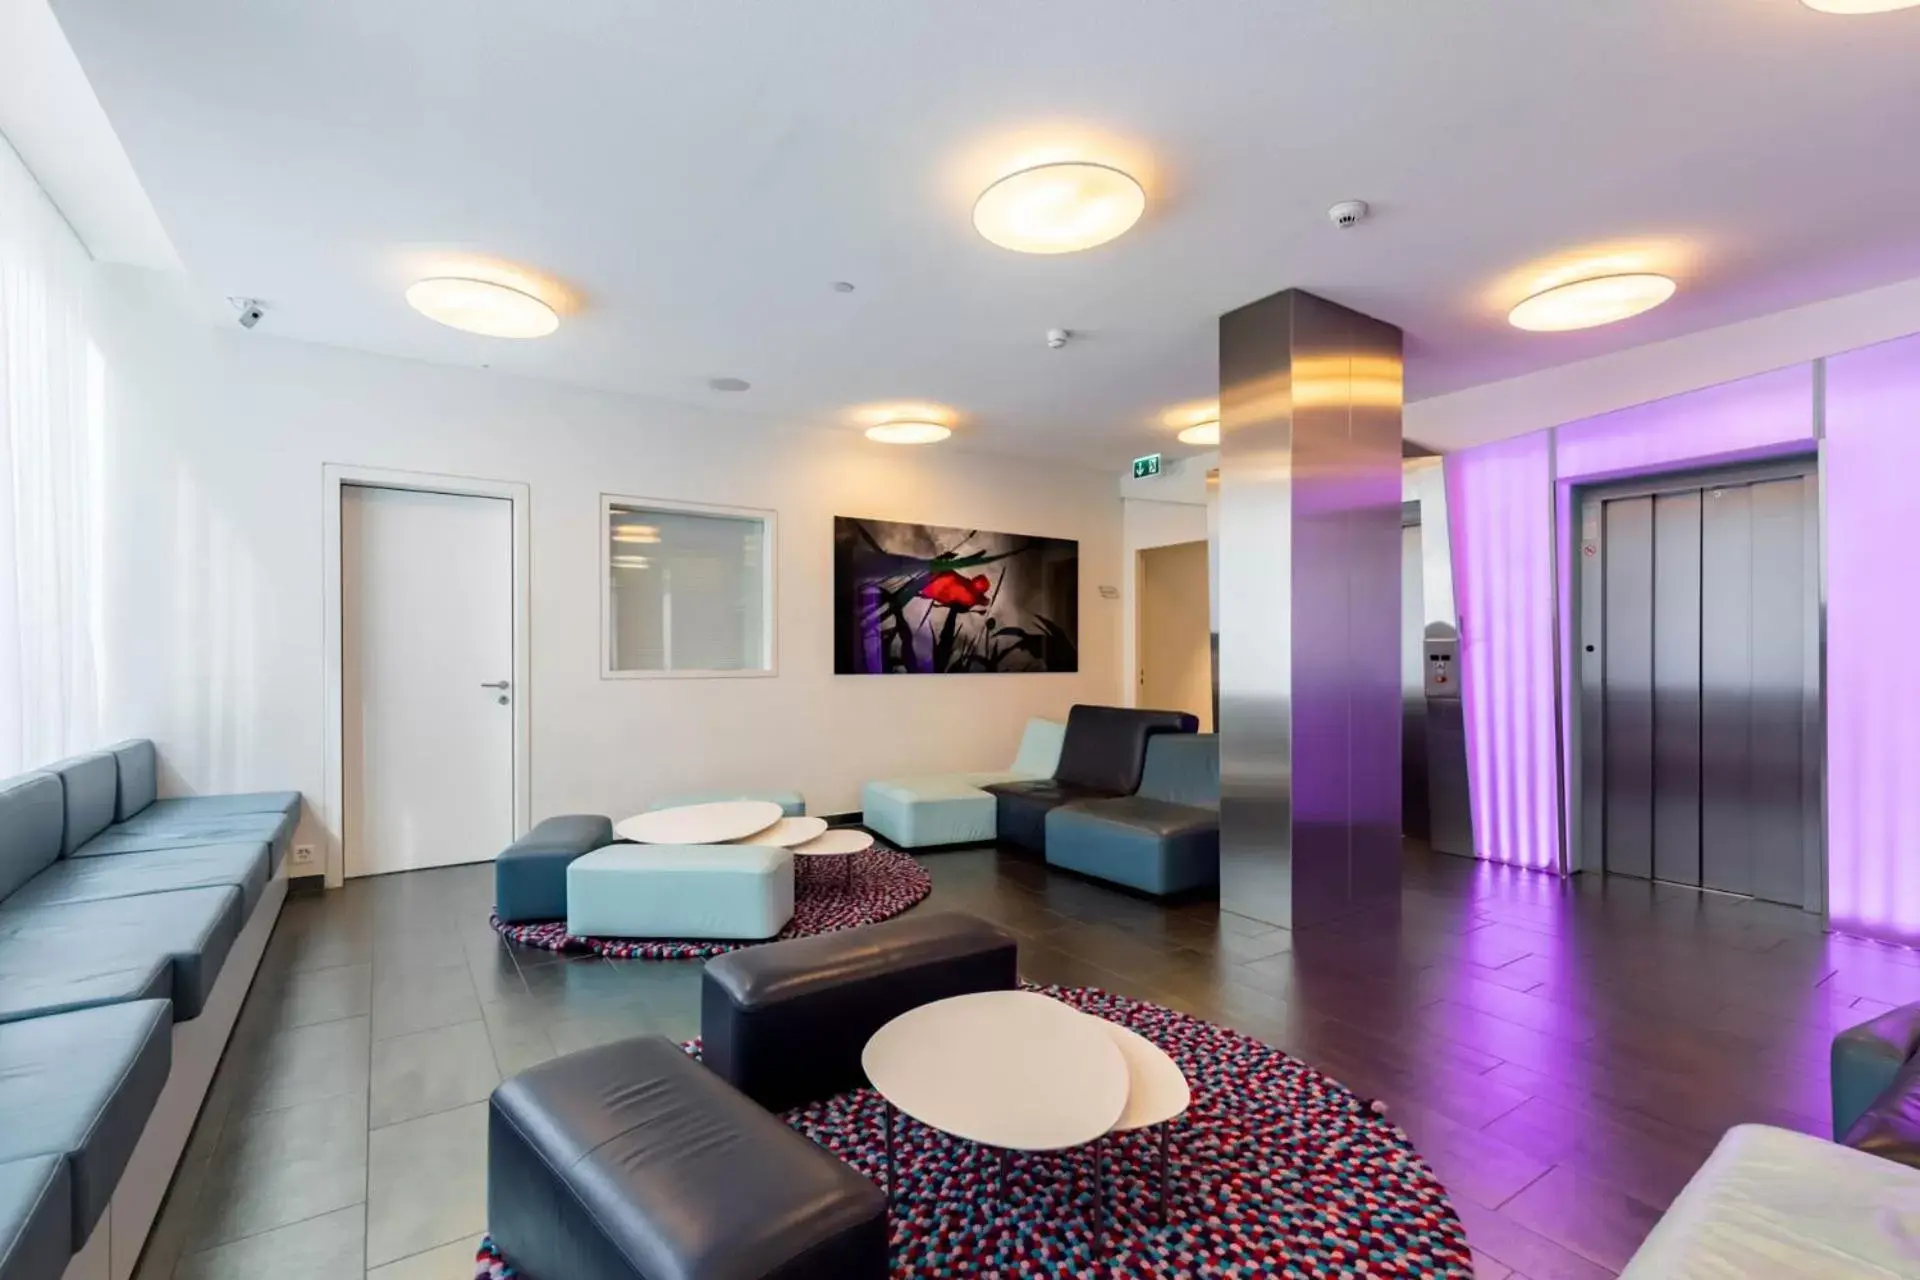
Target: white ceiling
(701, 172)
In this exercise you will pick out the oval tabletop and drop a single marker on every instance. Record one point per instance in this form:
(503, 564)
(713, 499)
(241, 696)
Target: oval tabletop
(836, 843)
(787, 832)
(700, 823)
(1157, 1090)
(1011, 1069)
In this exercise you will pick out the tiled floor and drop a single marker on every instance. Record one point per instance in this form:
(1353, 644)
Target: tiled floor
(1565, 1056)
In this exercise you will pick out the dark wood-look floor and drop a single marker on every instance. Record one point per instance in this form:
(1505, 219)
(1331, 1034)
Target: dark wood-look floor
(1564, 1054)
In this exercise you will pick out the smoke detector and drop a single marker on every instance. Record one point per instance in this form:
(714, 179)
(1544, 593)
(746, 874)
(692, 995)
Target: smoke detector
(1348, 214)
(1057, 338)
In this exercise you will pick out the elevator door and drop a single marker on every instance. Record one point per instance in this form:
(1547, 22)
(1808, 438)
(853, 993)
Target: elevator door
(1700, 631)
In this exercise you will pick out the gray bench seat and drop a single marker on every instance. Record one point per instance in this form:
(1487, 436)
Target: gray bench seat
(129, 875)
(36, 1218)
(33, 984)
(81, 1086)
(192, 929)
(1165, 839)
(275, 830)
(193, 808)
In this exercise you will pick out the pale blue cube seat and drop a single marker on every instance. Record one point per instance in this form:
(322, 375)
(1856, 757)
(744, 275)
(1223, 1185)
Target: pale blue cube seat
(730, 891)
(950, 808)
(791, 803)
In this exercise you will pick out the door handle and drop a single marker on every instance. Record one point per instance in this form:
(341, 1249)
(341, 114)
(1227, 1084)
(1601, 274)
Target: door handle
(497, 684)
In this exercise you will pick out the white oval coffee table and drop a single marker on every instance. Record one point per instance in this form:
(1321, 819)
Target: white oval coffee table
(787, 833)
(1012, 1070)
(842, 843)
(700, 823)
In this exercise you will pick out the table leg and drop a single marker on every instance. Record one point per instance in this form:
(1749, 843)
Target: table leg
(886, 1124)
(1100, 1198)
(846, 876)
(1165, 1130)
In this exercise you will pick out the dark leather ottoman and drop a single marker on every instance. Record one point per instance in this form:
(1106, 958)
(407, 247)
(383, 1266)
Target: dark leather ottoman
(1104, 750)
(631, 1161)
(785, 1023)
(530, 875)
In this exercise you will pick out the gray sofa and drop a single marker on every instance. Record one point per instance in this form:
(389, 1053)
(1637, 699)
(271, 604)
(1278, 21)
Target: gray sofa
(130, 929)
(1164, 838)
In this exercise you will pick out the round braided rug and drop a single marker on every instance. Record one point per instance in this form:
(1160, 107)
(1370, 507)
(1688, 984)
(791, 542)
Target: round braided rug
(828, 895)
(1277, 1170)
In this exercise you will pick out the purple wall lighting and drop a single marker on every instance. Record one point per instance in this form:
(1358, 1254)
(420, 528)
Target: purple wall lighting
(1500, 515)
(1872, 465)
(1736, 421)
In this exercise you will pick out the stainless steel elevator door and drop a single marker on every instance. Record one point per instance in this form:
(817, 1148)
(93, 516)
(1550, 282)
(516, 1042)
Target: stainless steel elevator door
(1704, 653)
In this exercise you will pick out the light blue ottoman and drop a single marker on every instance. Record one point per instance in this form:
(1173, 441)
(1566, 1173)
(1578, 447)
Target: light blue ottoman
(792, 803)
(680, 891)
(950, 808)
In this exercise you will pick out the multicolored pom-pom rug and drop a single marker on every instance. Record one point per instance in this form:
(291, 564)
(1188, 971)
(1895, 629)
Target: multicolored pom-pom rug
(828, 895)
(1277, 1170)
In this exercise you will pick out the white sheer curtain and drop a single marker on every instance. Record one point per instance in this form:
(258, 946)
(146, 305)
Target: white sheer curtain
(52, 402)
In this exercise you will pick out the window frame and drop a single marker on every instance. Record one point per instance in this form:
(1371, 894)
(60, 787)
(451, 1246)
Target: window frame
(769, 523)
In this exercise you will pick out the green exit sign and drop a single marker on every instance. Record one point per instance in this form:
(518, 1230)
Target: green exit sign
(1147, 466)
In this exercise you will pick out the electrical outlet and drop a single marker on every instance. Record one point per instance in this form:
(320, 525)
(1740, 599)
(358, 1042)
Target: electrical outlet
(303, 855)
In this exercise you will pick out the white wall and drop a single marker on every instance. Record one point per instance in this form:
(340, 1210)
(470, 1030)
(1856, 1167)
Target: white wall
(212, 631)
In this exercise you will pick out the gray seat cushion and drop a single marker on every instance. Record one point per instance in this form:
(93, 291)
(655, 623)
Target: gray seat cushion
(163, 812)
(35, 983)
(92, 785)
(1147, 817)
(275, 829)
(32, 815)
(139, 776)
(191, 928)
(36, 1215)
(81, 1085)
(244, 866)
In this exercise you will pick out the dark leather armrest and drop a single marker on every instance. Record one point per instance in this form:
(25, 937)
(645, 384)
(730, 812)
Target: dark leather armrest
(1866, 1059)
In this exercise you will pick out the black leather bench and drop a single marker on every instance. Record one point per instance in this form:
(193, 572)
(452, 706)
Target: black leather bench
(1102, 755)
(632, 1161)
(785, 1023)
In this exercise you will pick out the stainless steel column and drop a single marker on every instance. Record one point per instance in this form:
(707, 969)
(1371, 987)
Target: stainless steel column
(1310, 707)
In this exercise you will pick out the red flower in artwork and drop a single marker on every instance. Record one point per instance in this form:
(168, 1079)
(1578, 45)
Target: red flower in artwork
(954, 591)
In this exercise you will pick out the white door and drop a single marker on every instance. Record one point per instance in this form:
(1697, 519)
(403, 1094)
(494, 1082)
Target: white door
(426, 651)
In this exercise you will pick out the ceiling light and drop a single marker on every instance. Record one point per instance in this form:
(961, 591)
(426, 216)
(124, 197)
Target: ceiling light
(1859, 6)
(1586, 303)
(480, 306)
(635, 533)
(1059, 208)
(908, 433)
(1207, 433)
(631, 562)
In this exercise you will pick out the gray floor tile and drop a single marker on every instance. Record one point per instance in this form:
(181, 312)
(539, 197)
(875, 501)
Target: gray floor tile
(449, 1262)
(302, 1064)
(307, 996)
(422, 999)
(427, 1071)
(519, 1038)
(275, 1168)
(328, 1247)
(426, 1184)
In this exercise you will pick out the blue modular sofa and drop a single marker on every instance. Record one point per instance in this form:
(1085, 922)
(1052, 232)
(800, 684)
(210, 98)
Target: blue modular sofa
(1164, 838)
(130, 929)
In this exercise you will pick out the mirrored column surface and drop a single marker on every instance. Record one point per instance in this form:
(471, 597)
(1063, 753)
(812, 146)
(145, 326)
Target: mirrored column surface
(1310, 551)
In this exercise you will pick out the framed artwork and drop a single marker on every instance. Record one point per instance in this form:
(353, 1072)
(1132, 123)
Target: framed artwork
(920, 599)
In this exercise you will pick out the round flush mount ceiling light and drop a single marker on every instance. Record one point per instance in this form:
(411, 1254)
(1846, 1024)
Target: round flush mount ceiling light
(1059, 208)
(908, 432)
(1207, 433)
(483, 307)
(1858, 6)
(1584, 304)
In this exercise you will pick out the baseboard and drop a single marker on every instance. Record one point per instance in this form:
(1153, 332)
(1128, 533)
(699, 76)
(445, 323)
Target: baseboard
(113, 1250)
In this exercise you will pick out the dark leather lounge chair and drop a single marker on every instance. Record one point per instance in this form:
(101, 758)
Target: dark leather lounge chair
(1103, 755)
